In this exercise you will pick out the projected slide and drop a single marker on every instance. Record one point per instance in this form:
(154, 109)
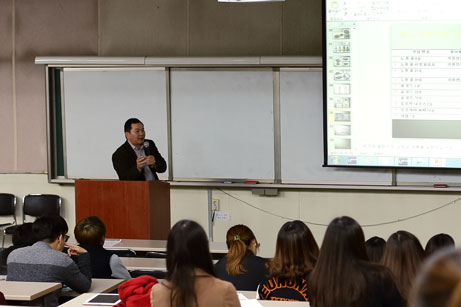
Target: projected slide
(393, 83)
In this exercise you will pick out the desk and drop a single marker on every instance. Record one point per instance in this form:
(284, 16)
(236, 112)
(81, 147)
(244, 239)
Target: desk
(98, 285)
(157, 245)
(248, 294)
(26, 290)
(79, 300)
(147, 264)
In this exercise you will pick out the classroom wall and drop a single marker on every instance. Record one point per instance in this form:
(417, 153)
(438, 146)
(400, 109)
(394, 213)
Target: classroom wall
(318, 206)
(127, 28)
(178, 28)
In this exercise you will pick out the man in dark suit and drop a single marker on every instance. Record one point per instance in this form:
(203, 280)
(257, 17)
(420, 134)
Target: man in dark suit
(137, 158)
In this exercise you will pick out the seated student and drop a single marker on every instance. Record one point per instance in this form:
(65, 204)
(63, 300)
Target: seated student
(403, 255)
(90, 232)
(375, 249)
(22, 237)
(44, 261)
(295, 255)
(241, 266)
(442, 240)
(343, 275)
(190, 280)
(439, 282)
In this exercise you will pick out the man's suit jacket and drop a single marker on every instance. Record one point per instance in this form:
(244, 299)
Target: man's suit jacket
(124, 161)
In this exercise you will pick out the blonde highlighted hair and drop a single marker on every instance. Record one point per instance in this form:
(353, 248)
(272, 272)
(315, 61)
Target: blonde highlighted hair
(238, 239)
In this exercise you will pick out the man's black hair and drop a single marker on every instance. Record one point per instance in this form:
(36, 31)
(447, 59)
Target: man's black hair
(48, 228)
(131, 121)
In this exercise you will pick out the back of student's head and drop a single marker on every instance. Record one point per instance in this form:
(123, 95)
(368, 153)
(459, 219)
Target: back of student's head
(296, 252)
(343, 241)
(375, 248)
(49, 228)
(439, 282)
(187, 250)
(403, 255)
(23, 235)
(439, 241)
(338, 277)
(238, 239)
(90, 230)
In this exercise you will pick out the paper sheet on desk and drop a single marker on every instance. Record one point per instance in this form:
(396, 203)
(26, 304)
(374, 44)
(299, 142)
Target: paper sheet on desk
(110, 243)
(245, 302)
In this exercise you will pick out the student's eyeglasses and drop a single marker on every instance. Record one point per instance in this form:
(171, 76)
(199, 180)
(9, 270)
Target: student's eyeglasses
(66, 237)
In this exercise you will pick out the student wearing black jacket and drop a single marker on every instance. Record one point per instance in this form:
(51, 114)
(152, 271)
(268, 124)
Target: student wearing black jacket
(90, 232)
(241, 266)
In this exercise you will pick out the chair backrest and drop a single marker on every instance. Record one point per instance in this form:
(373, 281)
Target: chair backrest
(7, 204)
(41, 204)
(156, 274)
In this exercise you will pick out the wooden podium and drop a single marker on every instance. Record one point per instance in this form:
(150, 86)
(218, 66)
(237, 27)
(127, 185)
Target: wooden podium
(130, 209)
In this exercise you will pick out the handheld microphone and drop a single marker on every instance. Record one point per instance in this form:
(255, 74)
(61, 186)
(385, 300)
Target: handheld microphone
(146, 148)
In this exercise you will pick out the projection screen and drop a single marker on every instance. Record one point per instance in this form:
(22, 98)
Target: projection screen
(392, 83)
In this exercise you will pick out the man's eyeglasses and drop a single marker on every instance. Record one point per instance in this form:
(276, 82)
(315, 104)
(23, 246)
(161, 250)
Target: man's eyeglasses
(66, 237)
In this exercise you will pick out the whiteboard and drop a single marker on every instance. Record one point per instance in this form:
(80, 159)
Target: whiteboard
(97, 102)
(222, 124)
(301, 121)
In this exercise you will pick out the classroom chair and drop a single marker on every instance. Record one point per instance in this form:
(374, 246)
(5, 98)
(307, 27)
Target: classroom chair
(7, 208)
(156, 274)
(37, 205)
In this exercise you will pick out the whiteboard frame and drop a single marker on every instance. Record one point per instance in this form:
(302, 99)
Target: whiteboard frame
(276, 62)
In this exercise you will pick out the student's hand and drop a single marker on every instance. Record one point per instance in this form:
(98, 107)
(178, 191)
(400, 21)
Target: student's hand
(150, 160)
(75, 250)
(141, 162)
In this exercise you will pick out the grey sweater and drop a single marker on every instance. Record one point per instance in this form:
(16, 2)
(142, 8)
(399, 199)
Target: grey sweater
(41, 263)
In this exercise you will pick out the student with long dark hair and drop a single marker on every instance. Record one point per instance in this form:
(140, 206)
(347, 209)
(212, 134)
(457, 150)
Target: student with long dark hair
(437, 242)
(403, 255)
(343, 275)
(190, 280)
(295, 255)
(241, 266)
(375, 248)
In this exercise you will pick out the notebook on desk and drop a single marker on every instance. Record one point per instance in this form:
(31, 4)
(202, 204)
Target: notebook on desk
(103, 299)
